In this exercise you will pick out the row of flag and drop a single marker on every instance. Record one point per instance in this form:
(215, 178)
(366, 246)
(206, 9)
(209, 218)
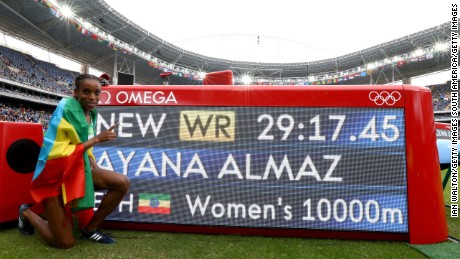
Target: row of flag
(355, 75)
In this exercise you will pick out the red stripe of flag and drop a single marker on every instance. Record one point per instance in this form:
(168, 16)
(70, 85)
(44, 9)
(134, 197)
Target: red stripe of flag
(159, 210)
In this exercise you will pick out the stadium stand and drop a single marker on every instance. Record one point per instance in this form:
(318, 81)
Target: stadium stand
(441, 96)
(24, 113)
(27, 70)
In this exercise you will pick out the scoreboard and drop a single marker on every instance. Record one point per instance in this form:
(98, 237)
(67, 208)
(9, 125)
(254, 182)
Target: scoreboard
(326, 161)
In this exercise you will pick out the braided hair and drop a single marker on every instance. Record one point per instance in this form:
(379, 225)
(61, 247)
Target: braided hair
(82, 77)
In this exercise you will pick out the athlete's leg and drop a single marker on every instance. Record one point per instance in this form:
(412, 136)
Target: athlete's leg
(57, 229)
(117, 186)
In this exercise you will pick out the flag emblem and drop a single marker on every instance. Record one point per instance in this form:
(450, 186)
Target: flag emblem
(154, 203)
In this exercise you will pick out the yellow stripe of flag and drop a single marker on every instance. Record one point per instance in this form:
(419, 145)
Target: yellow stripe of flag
(146, 203)
(61, 147)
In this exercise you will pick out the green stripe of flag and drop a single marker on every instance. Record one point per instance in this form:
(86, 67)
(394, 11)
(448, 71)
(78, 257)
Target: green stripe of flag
(158, 196)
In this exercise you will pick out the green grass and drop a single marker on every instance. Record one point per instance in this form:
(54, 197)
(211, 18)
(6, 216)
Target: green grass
(140, 244)
(452, 223)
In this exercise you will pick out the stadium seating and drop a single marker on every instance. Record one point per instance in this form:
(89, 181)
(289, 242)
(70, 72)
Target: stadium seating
(27, 70)
(24, 113)
(441, 96)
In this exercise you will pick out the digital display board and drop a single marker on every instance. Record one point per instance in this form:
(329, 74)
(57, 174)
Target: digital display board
(315, 168)
(304, 160)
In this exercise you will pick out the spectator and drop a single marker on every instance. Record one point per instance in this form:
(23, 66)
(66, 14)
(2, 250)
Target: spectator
(24, 113)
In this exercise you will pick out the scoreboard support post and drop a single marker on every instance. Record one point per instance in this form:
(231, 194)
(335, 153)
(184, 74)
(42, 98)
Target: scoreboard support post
(425, 207)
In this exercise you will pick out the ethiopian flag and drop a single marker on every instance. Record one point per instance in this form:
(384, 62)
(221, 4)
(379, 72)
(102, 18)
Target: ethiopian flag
(63, 164)
(154, 203)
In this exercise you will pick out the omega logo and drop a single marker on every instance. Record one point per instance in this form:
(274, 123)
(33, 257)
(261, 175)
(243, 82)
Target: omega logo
(137, 97)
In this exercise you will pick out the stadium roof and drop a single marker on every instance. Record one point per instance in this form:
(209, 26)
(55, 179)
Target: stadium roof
(34, 23)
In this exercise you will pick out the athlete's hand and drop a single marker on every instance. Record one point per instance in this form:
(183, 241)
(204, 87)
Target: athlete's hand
(107, 135)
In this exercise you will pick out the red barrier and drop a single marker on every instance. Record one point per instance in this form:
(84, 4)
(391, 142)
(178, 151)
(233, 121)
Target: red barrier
(219, 78)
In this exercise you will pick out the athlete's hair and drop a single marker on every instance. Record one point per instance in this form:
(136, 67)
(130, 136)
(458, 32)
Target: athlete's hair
(82, 77)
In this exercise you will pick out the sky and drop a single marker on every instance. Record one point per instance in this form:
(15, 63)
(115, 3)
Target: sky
(282, 31)
(274, 31)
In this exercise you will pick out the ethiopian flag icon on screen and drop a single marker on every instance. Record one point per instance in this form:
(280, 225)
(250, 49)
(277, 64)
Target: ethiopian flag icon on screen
(154, 203)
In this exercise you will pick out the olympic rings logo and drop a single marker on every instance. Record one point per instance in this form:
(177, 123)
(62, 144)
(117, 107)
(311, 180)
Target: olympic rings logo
(384, 97)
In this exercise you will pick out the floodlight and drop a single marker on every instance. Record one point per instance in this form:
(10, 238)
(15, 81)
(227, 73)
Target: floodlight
(441, 46)
(201, 74)
(417, 52)
(66, 11)
(246, 79)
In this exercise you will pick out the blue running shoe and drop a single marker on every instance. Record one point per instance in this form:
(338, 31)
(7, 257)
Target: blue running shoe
(24, 225)
(97, 236)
